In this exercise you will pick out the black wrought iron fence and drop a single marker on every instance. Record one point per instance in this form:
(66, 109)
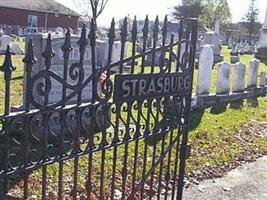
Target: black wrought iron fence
(127, 142)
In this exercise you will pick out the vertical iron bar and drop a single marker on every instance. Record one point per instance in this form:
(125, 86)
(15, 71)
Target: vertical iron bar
(136, 138)
(7, 68)
(102, 168)
(164, 36)
(92, 38)
(168, 167)
(115, 144)
(118, 107)
(29, 60)
(161, 168)
(124, 33)
(180, 37)
(123, 41)
(82, 47)
(66, 49)
(126, 139)
(134, 38)
(176, 163)
(144, 168)
(155, 40)
(145, 35)
(185, 130)
(111, 36)
(164, 31)
(48, 54)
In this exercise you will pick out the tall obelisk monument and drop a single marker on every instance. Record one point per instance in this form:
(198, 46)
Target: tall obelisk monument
(262, 48)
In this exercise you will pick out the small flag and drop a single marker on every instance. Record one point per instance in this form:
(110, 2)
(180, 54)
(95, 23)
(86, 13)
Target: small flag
(103, 77)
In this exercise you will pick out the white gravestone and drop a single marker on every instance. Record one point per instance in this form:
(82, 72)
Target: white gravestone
(253, 73)
(212, 38)
(57, 66)
(234, 59)
(234, 51)
(223, 78)
(59, 30)
(205, 70)
(4, 41)
(263, 80)
(7, 40)
(230, 43)
(239, 71)
(20, 31)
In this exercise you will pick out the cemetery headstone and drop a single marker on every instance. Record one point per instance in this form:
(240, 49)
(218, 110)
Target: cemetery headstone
(242, 50)
(230, 43)
(20, 32)
(253, 81)
(16, 49)
(205, 70)
(253, 73)
(8, 30)
(25, 31)
(223, 86)
(55, 94)
(263, 80)
(234, 59)
(234, 51)
(247, 48)
(223, 78)
(212, 38)
(239, 71)
(4, 41)
(59, 30)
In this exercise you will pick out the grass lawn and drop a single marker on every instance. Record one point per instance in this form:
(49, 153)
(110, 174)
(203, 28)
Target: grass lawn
(213, 141)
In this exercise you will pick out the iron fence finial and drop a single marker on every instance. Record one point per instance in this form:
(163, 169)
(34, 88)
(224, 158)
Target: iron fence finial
(156, 27)
(92, 33)
(48, 52)
(165, 25)
(124, 30)
(134, 29)
(146, 27)
(8, 66)
(66, 47)
(83, 41)
(29, 57)
(111, 33)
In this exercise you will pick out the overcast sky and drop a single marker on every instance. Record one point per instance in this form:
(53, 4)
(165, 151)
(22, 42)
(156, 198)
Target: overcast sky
(122, 8)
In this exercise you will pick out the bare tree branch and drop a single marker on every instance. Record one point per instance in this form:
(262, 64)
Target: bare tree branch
(97, 6)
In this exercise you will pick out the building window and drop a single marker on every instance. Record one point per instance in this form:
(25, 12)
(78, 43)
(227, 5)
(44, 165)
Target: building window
(32, 21)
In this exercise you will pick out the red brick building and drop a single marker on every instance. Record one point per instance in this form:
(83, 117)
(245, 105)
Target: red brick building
(36, 15)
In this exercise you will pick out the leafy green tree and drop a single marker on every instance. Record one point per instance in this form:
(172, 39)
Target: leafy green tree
(215, 10)
(188, 8)
(208, 11)
(250, 21)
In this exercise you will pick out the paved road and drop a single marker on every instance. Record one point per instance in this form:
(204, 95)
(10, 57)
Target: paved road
(247, 182)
